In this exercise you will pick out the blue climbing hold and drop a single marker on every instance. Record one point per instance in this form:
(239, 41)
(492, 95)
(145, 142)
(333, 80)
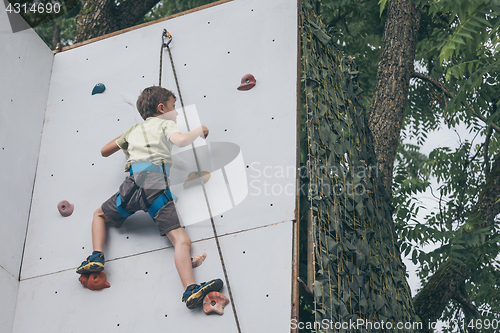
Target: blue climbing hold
(98, 88)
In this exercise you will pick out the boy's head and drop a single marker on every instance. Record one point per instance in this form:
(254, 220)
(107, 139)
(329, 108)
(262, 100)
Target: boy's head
(151, 97)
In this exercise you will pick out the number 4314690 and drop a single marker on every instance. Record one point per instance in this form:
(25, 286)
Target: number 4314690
(35, 8)
(475, 323)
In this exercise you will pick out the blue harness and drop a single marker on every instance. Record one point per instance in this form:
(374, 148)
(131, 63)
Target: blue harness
(161, 201)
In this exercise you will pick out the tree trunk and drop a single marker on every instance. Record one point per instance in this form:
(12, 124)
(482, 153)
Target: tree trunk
(393, 79)
(96, 18)
(447, 282)
(56, 36)
(99, 17)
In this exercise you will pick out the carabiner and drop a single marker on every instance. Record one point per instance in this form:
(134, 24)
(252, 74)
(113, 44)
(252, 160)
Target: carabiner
(166, 35)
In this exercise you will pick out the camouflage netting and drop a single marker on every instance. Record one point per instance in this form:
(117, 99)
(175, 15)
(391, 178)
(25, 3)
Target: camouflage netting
(359, 272)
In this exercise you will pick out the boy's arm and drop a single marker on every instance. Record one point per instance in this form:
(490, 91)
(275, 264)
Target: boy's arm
(184, 139)
(111, 147)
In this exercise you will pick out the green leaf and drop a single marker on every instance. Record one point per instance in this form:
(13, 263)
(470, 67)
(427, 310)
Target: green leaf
(464, 34)
(360, 208)
(447, 51)
(332, 245)
(382, 4)
(322, 109)
(317, 289)
(379, 302)
(322, 36)
(459, 40)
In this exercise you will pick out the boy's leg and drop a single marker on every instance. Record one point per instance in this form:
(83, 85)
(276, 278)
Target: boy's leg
(182, 257)
(99, 229)
(95, 262)
(194, 294)
(107, 213)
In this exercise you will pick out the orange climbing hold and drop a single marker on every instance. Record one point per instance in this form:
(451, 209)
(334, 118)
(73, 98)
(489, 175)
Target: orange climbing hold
(94, 281)
(197, 178)
(198, 260)
(215, 302)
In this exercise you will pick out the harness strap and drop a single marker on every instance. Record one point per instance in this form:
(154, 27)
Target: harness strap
(121, 210)
(147, 166)
(159, 202)
(165, 197)
(121, 203)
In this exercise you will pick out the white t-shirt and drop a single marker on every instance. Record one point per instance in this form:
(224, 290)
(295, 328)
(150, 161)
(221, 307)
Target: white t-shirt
(149, 142)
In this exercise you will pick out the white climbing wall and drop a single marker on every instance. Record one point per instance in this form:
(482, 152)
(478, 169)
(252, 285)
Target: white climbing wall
(25, 65)
(250, 152)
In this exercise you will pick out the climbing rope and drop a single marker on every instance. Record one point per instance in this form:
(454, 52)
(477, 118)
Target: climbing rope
(167, 36)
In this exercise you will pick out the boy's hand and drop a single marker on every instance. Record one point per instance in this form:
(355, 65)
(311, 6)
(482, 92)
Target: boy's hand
(205, 132)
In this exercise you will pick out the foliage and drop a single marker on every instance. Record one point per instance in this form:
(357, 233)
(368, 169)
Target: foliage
(357, 28)
(164, 8)
(359, 273)
(169, 7)
(68, 28)
(458, 47)
(39, 12)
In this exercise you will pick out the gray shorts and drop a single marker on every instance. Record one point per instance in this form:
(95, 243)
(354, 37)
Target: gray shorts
(150, 185)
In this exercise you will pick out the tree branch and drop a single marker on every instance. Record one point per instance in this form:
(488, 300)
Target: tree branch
(468, 307)
(443, 285)
(445, 100)
(305, 291)
(336, 19)
(449, 94)
(487, 204)
(56, 36)
(486, 152)
(435, 82)
(436, 294)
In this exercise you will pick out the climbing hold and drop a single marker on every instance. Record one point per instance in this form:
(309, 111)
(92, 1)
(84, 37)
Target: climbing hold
(98, 88)
(247, 82)
(94, 281)
(215, 302)
(195, 178)
(65, 208)
(198, 260)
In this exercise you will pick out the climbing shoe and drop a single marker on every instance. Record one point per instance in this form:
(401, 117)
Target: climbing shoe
(193, 296)
(94, 263)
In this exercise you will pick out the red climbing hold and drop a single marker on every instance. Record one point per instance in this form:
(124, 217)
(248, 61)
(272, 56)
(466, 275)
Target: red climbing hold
(197, 260)
(94, 281)
(247, 82)
(65, 208)
(215, 302)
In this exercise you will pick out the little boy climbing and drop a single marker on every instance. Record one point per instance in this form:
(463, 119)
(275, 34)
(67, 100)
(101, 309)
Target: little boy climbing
(149, 146)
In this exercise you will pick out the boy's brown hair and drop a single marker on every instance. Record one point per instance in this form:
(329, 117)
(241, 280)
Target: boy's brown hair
(149, 100)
